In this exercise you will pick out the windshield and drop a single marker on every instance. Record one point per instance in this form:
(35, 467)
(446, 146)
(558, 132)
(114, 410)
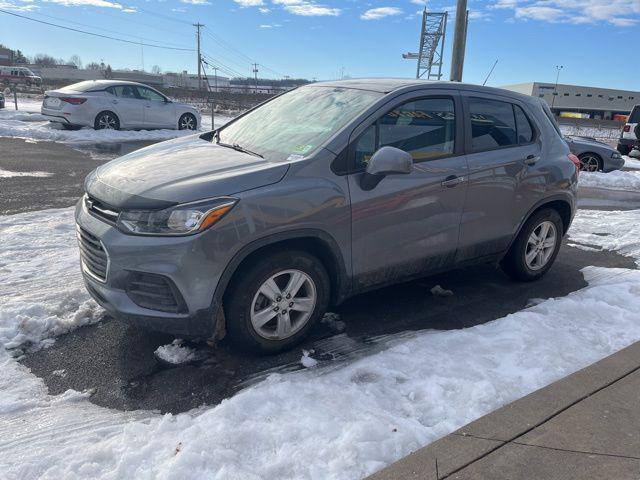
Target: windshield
(295, 124)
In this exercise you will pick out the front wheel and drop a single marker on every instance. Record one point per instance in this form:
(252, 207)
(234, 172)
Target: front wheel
(536, 247)
(187, 122)
(275, 302)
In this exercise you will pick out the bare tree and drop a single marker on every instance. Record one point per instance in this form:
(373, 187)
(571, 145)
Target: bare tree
(75, 60)
(93, 66)
(156, 70)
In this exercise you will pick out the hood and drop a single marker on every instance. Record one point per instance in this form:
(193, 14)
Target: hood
(178, 171)
(588, 141)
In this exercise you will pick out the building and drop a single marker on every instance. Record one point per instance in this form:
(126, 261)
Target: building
(574, 101)
(6, 56)
(190, 80)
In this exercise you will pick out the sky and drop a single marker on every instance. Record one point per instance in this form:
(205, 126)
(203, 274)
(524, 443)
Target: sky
(595, 41)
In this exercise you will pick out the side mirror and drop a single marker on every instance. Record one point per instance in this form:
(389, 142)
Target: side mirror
(386, 161)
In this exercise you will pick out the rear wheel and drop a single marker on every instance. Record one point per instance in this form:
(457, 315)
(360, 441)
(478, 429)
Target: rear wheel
(275, 302)
(590, 162)
(187, 122)
(106, 121)
(536, 247)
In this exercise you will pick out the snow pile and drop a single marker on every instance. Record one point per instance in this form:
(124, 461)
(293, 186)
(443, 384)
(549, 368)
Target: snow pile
(9, 174)
(41, 292)
(306, 360)
(631, 163)
(616, 180)
(603, 134)
(175, 353)
(342, 422)
(614, 231)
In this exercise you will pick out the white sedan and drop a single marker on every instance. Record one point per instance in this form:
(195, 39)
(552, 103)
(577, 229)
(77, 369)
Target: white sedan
(113, 104)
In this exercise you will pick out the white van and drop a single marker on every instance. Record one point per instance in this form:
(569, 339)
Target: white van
(15, 75)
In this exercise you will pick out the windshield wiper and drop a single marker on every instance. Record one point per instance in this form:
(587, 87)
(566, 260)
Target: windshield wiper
(238, 148)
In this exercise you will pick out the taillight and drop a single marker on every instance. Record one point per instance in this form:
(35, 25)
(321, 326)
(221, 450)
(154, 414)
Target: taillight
(576, 162)
(626, 128)
(74, 100)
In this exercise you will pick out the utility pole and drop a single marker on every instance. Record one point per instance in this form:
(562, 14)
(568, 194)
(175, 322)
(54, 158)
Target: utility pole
(198, 27)
(459, 41)
(215, 78)
(255, 73)
(555, 89)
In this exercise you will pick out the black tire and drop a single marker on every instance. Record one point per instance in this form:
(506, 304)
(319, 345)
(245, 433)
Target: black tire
(585, 155)
(99, 124)
(514, 263)
(624, 149)
(187, 121)
(239, 300)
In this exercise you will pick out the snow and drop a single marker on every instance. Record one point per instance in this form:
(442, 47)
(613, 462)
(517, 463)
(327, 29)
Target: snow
(342, 422)
(632, 163)
(175, 353)
(603, 134)
(9, 174)
(306, 360)
(616, 180)
(27, 123)
(438, 291)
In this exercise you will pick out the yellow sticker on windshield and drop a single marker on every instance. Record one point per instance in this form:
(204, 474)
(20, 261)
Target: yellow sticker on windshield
(302, 149)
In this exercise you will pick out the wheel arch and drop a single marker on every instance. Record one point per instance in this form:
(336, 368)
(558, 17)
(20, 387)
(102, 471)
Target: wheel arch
(316, 242)
(563, 204)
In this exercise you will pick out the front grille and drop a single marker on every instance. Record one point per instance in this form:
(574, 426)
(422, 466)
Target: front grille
(155, 292)
(101, 210)
(95, 261)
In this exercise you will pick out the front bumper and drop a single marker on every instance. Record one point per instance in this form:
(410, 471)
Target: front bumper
(185, 261)
(611, 164)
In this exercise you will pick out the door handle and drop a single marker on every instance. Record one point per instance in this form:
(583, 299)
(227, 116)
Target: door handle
(451, 181)
(115, 102)
(148, 106)
(531, 159)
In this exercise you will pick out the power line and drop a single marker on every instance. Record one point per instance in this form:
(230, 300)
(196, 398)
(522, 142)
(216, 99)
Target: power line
(96, 34)
(164, 17)
(105, 29)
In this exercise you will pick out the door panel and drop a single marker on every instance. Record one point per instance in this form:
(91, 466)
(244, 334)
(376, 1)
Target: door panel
(125, 102)
(491, 212)
(157, 112)
(408, 224)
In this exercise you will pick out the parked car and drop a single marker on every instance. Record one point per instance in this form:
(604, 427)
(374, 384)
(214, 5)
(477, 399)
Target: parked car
(630, 134)
(2, 104)
(14, 75)
(594, 156)
(115, 104)
(321, 193)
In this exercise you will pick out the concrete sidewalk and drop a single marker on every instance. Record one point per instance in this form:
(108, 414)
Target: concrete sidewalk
(585, 426)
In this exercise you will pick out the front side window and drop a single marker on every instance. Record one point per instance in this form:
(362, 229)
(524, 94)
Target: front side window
(424, 128)
(296, 123)
(493, 124)
(126, 91)
(151, 95)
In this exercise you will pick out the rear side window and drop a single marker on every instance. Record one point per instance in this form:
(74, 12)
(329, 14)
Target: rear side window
(525, 132)
(424, 128)
(493, 124)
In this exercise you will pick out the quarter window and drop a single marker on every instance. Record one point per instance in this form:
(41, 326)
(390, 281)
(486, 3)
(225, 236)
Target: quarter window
(493, 124)
(525, 132)
(424, 128)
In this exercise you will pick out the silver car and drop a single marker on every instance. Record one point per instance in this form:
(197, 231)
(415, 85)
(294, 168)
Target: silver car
(114, 104)
(321, 193)
(595, 156)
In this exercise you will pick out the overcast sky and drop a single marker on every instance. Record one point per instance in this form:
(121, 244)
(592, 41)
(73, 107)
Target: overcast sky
(595, 40)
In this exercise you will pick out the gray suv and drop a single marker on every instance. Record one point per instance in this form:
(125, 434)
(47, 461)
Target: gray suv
(321, 193)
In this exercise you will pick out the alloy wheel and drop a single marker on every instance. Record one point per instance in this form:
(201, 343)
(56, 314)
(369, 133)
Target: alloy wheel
(106, 122)
(589, 163)
(187, 122)
(283, 304)
(541, 245)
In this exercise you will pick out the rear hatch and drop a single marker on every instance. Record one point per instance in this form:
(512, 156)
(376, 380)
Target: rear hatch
(629, 130)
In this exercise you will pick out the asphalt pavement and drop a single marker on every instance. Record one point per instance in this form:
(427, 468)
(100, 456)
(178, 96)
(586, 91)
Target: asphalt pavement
(117, 361)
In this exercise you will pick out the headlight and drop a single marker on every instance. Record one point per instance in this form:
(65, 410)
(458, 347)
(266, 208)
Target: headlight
(185, 219)
(616, 155)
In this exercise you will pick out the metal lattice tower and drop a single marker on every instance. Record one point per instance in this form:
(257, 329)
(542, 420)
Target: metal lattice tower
(432, 38)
